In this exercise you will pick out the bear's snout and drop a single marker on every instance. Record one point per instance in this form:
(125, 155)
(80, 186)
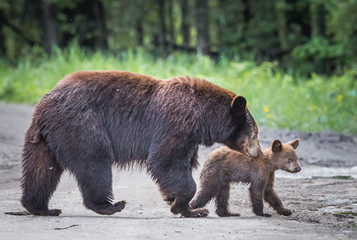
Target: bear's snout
(297, 169)
(255, 153)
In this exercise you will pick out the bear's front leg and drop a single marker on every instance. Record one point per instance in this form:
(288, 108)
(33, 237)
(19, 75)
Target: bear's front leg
(186, 211)
(178, 194)
(178, 188)
(171, 167)
(185, 189)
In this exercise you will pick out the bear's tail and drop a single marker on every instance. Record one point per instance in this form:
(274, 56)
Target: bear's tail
(40, 174)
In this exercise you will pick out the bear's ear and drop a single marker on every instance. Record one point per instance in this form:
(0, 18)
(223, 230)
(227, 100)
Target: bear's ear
(294, 143)
(276, 146)
(238, 105)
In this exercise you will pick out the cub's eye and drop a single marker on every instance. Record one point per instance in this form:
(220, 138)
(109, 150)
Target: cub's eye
(290, 160)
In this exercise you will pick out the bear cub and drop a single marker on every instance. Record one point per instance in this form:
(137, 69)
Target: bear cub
(225, 166)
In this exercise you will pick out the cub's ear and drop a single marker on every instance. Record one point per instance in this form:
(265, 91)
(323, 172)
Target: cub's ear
(276, 146)
(294, 143)
(238, 105)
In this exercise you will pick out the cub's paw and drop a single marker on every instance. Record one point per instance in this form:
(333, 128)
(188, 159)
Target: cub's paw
(285, 212)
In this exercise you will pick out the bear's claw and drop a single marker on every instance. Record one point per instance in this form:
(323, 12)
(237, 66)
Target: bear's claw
(119, 205)
(194, 213)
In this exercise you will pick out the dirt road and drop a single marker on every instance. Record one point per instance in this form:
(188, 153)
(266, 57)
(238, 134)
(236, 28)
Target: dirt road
(324, 207)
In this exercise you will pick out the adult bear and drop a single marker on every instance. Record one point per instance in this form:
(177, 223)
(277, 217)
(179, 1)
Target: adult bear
(92, 120)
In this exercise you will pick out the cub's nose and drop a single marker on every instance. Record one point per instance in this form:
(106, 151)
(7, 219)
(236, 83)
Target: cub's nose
(261, 154)
(298, 169)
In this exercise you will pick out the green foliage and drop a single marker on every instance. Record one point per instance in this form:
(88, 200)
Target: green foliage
(342, 26)
(332, 46)
(321, 52)
(275, 98)
(344, 178)
(303, 36)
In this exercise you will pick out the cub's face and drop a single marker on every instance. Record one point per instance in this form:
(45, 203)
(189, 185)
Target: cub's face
(284, 156)
(245, 137)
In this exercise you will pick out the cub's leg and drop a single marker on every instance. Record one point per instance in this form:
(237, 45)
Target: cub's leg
(207, 192)
(222, 198)
(273, 199)
(256, 196)
(40, 176)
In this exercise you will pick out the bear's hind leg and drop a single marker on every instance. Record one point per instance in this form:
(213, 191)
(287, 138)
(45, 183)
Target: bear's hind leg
(40, 177)
(95, 183)
(183, 198)
(169, 198)
(183, 189)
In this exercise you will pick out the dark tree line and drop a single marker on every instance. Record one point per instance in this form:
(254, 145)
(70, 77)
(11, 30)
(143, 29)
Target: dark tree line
(307, 35)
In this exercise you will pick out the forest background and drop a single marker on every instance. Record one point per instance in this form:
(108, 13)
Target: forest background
(294, 60)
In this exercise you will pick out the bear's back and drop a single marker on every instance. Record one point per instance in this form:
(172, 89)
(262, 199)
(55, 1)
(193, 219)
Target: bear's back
(107, 77)
(132, 111)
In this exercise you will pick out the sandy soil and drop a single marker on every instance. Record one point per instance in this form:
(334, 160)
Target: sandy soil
(324, 207)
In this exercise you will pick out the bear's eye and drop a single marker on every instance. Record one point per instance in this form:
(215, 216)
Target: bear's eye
(290, 160)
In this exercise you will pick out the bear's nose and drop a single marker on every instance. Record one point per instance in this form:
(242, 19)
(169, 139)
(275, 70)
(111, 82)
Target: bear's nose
(298, 169)
(261, 154)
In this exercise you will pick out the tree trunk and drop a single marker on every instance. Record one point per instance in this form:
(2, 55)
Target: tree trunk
(317, 19)
(2, 37)
(249, 10)
(91, 28)
(162, 36)
(202, 27)
(171, 23)
(185, 25)
(280, 7)
(139, 31)
(99, 14)
(50, 25)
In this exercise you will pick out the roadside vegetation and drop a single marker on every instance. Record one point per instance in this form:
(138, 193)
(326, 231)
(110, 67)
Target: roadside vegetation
(275, 98)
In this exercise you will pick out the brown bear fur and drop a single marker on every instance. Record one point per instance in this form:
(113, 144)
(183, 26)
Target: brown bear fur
(94, 120)
(225, 166)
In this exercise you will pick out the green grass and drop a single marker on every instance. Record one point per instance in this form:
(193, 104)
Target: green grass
(343, 177)
(276, 99)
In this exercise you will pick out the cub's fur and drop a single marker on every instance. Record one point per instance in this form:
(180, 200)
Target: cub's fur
(225, 166)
